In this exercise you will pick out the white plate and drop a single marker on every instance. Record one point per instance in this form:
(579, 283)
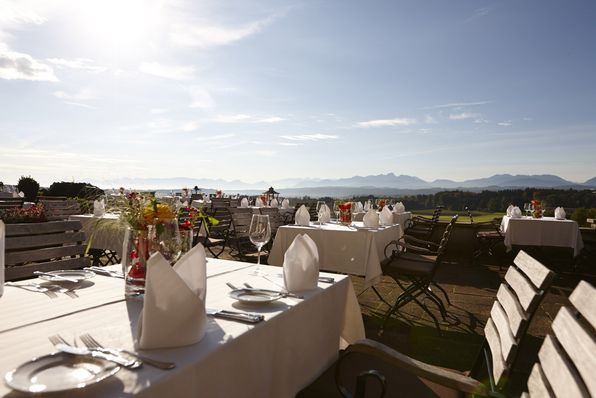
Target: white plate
(78, 274)
(253, 296)
(59, 372)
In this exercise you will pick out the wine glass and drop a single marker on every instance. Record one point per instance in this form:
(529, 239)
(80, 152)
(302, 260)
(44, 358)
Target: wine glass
(527, 208)
(259, 233)
(336, 209)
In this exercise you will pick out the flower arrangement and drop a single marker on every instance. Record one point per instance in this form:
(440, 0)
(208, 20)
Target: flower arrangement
(17, 215)
(345, 213)
(381, 204)
(537, 206)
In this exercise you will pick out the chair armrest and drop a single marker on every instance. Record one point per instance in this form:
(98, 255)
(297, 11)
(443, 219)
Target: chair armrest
(417, 368)
(409, 239)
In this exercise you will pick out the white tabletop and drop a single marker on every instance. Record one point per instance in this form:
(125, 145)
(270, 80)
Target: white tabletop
(545, 231)
(275, 358)
(398, 218)
(349, 250)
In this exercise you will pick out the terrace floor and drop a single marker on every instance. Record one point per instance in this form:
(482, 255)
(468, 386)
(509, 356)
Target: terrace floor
(472, 290)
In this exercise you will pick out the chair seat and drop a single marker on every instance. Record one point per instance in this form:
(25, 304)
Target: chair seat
(489, 235)
(399, 383)
(413, 267)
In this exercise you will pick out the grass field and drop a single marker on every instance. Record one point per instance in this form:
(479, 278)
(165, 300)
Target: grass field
(479, 216)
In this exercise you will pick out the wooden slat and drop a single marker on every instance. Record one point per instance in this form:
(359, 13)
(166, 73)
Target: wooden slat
(43, 254)
(583, 299)
(525, 292)
(42, 228)
(516, 315)
(508, 342)
(579, 345)
(492, 337)
(538, 386)
(534, 270)
(559, 372)
(26, 271)
(22, 242)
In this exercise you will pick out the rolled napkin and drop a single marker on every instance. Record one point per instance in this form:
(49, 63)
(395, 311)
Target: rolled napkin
(301, 265)
(371, 219)
(99, 208)
(302, 217)
(509, 210)
(244, 202)
(386, 217)
(366, 205)
(285, 204)
(516, 212)
(560, 213)
(173, 312)
(324, 214)
(2, 238)
(274, 203)
(399, 208)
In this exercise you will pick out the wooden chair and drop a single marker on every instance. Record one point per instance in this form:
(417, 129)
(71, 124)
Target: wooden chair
(11, 203)
(239, 237)
(423, 227)
(275, 219)
(567, 358)
(488, 239)
(397, 374)
(217, 236)
(46, 246)
(57, 210)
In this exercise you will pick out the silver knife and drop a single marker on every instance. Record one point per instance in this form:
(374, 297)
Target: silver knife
(120, 360)
(236, 315)
(99, 270)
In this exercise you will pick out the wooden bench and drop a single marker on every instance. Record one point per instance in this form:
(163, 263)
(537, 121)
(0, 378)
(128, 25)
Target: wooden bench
(10, 203)
(60, 209)
(45, 246)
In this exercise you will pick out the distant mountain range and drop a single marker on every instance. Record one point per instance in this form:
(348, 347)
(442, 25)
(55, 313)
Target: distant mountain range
(382, 184)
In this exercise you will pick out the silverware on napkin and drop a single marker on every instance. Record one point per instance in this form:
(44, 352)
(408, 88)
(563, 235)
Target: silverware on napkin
(247, 317)
(283, 293)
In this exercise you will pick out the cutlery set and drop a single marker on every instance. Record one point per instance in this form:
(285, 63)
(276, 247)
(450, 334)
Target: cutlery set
(50, 290)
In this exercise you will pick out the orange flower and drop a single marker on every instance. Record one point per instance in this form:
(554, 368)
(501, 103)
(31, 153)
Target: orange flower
(160, 211)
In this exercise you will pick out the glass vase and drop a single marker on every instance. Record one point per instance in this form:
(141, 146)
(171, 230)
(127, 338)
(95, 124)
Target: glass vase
(135, 252)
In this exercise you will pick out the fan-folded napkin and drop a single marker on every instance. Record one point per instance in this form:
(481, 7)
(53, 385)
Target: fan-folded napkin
(516, 212)
(509, 210)
(302, 216)
(274, 203)
(324, 214)
(367, 205)
(244, 202)
(173, 312)
(301, 265)
(386, 217)
(2, 235)
(399, 207)
(560, 213)
(371, 219)
(285, 204)
(359, 207)
(258, 202)
(99, 208)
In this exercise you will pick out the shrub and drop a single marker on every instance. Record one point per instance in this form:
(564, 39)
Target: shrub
(19, 215)
(75, 190)
(29, 187)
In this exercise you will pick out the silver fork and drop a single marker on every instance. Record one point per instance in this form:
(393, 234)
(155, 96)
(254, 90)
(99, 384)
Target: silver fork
(57, 339)
(34, 287)
(91, 343)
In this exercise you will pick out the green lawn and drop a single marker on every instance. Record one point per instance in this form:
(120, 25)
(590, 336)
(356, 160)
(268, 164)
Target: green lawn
(479, 216)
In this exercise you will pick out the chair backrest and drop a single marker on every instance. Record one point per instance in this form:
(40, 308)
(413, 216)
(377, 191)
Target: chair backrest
(217, 203)
(241, 223)
(46, 246)
(567, 358)
(56, 210)
(275, 218)
(446, 236)
(9, 203)
(526, 282)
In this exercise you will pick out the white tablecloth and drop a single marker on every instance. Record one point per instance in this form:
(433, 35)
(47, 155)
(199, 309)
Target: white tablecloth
(105, 233)
(341, 248)
(275, 358)
(545, 231)
(398, 218)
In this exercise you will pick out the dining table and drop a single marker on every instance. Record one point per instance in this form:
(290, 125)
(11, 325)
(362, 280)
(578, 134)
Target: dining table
(350, 249)
(398, 218)
(544, 231)
(297, 340)
(104, 232)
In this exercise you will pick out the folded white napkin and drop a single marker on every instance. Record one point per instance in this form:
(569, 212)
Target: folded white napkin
(509, 210)
(560, 213)
(2, 237)
(274, 203)
(399, 208)
(371, 219)
(386, 217)
(324, 214)
(244, 202)
(302, 217)
(258, 202)
(359, 207)
(99, 208)
(366, 205)
(301, 265)
(285, 204)
(516, 212)
(173, 312)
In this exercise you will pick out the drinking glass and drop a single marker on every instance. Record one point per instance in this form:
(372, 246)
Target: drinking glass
(259, 233)
(336, 210)
(527, 208)
(319, 204)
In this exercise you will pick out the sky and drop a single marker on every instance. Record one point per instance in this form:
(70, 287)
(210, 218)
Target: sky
(97, 90)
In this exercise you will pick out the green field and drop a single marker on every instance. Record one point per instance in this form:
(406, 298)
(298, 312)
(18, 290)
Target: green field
(479, 216)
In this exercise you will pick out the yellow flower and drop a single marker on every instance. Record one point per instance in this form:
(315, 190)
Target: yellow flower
(160, 211)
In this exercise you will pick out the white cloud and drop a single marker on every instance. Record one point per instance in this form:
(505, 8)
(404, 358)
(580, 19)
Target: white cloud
(273, 119)
(310, 137)
(77, 63)
(174, 72)
(81, 95)
(189, 126)
(20, 66)
(159, 111)
(387, 122)
(265, 152)
(290, 143)
(428, 119)
(505, 123)
(464, 115)
(458, 104)
(200, 98)
(204, 35)
(232, 118)
(215, 137)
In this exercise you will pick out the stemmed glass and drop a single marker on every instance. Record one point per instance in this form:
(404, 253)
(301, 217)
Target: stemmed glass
(336, 209)
(527, 208)
(259, 233)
